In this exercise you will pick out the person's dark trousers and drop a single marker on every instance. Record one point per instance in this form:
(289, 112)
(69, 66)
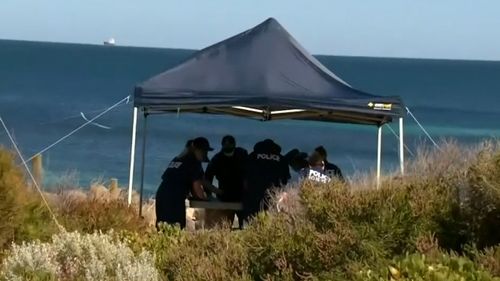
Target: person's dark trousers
(252, 203)
(230, 218)
(250, 211)
(171, 213)
(240, 216)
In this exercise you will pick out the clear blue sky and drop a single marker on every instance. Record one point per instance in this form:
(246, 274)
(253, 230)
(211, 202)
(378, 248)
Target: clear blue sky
(459, 29)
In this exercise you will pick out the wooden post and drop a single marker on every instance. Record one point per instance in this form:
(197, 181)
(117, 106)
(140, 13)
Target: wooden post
(113, 184)
(114, 190)
(38, 169)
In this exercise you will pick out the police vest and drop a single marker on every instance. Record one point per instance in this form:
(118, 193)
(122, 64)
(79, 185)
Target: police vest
(174, 165)
(271, 157)
(317, 176)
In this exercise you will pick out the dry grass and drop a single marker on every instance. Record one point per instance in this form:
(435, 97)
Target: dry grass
(99, 209)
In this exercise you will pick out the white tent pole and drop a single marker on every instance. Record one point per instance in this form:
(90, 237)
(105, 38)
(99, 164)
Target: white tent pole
(401, 147)
(132, 156)
(379, 154)
(143, 160)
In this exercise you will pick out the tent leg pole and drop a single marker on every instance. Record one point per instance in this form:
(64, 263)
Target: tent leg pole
(401, 147)
(132, 157)
(143, 161)
(379, 154)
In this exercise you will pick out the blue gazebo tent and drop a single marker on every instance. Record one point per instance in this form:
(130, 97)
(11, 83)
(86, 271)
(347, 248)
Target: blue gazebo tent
(262, 73)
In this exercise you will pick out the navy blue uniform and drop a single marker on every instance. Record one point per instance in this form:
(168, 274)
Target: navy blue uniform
(266, 169)
(177, 183)
(230, 172)
(332, 171)
(315, 174)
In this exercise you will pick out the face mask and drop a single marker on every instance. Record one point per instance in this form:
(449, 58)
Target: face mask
(228, 150)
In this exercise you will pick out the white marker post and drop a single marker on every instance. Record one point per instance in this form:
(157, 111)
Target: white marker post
(132, 157)
(401, 147)
(379, 155)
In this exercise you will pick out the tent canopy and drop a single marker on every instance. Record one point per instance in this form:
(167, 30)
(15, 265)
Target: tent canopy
(262, 73)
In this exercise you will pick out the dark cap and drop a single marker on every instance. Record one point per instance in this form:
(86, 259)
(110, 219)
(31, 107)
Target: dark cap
(291, 154)
(202, 143)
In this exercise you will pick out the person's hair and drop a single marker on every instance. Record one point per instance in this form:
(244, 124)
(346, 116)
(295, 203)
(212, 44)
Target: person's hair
(228, 139)
(321, 151)
(189, 143)
(315, 160)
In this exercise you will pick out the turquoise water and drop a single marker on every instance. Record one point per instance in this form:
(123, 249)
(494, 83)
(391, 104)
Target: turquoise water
(45, 86)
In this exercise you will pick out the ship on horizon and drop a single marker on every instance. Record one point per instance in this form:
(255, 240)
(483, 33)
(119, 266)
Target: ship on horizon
(110, 41)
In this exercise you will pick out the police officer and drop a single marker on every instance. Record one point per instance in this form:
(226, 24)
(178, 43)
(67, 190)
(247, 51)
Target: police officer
(184, 175)
(316, 170)
(228, 166)
(297, 160)
(266, 169)
(331, 170)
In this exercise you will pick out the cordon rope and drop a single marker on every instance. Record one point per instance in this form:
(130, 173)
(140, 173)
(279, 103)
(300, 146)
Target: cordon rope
(397, 137)
(74, 116)
(422, 128)
(126, 99)
(37, 186)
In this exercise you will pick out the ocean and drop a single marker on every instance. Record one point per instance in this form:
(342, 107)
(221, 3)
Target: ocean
(44, 88)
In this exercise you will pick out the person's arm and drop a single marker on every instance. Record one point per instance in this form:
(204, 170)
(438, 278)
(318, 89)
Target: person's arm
(339, 175)
(197, 177)
(285, 172)
(211, 170)
(210, 187)
(303, 173)
(197, 190)
(210, 173)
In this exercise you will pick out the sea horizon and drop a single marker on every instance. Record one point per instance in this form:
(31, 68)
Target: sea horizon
(173, 48)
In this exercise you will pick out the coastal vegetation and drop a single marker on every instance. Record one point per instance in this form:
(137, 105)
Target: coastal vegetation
(441, 221)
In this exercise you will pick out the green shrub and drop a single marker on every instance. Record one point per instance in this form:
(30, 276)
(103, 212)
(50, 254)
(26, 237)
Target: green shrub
(11, 186)
(484, 198)
(393, 216)
(72, 256)
(204, 255)
(24, 217)
(489, 259)
(279, 248)
(444, 267)
(282, 247)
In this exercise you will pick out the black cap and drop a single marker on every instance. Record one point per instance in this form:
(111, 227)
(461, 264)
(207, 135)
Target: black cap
(202, 143)
(291, 154)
